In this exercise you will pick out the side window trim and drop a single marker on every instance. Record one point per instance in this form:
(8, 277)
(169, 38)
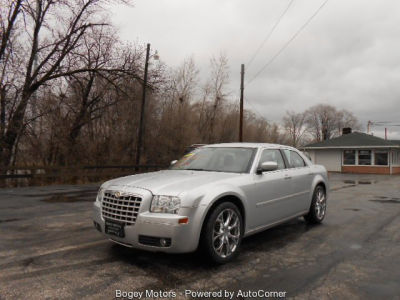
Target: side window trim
(302, 159)
(287, 165)
(252, 160)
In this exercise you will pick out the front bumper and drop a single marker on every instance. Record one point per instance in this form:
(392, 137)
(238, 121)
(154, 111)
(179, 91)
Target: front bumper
(184, 237)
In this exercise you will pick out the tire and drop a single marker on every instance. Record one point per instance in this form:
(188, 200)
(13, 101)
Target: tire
(317, 210)
(220, 243)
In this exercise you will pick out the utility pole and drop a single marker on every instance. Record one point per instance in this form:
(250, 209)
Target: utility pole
(142, 109)
(241, 103)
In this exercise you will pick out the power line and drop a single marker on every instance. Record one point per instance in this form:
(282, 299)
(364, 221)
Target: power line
(269, 34)
(255, 110)
(387, 125)
(288, 42)
(384, 123)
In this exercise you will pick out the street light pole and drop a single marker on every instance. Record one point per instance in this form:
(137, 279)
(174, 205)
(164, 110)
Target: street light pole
(142, 109)
(241, 103)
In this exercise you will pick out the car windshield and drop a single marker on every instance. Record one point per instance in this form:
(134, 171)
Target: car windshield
(217, 159)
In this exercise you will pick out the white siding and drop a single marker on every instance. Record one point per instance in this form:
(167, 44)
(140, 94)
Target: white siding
(331, 159)
(311, 153)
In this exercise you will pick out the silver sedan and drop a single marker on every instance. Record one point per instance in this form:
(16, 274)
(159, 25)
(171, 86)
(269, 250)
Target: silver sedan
(211, 198)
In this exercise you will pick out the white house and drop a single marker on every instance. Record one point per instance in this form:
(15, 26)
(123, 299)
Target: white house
(357, 153)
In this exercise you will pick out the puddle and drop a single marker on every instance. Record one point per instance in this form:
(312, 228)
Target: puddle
(352, 209)
(349, 181)
(355, 247)
(68, 199)
(354, 182)
(9, 220)
(387, 200)
(82, 193)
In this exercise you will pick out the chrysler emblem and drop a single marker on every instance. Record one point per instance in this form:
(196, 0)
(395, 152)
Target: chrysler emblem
(117, 194)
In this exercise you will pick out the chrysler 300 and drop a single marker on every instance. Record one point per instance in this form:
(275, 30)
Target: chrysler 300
(211, 198)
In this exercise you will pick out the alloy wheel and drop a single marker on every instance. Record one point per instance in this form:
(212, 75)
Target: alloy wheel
(226, 233)
(320, 204)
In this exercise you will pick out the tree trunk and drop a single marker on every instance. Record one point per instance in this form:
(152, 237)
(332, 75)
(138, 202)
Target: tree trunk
(325, 134)
(14, 129)
(2, 111)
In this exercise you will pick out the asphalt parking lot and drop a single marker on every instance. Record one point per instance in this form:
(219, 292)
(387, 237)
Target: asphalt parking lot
(50, 249)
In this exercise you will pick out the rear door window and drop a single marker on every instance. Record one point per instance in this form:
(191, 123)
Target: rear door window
(294, 159)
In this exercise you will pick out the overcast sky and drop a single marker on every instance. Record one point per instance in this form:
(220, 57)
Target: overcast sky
(347, 56)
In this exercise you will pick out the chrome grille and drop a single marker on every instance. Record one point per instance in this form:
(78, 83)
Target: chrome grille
(123, 208)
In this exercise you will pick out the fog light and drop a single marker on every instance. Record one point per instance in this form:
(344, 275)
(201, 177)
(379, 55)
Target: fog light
(154, 241)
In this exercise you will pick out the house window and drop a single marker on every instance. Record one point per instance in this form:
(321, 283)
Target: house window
(364, 157)
(349, 157)
(395, 157)
(381, 158)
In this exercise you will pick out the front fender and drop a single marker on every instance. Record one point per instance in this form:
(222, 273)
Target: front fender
(202, 204)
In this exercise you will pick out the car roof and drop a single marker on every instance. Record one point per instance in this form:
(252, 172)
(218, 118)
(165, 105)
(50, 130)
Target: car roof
(249, 145)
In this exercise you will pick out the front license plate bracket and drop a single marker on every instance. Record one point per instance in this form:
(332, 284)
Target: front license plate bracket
(115, 228)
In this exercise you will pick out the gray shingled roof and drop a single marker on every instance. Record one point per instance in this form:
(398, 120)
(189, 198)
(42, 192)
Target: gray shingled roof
(355, 139)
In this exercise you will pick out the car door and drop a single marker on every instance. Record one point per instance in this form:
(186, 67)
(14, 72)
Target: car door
(271, 190)
(300, 182)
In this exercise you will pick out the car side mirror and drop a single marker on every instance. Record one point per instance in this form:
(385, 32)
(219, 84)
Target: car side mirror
(267, 166)
(173, 162)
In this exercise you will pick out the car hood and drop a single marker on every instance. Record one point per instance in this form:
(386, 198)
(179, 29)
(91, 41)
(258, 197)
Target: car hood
(170, 182)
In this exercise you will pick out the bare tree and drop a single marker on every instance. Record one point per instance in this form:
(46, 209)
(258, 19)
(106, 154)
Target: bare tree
(176, 107)
(323, 121)
(54, 31)
(9, 12)
(184, 80)
(295, 127)
(215, 95)
(92, 116)
(347, 119)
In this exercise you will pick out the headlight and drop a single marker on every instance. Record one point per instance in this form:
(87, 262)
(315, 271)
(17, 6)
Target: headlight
(100, 194)
(165, 204)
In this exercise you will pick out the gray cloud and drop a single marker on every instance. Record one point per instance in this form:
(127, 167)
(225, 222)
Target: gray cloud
(347, 56)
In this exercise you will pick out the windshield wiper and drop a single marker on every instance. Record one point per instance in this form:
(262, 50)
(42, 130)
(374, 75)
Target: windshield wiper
(196, 169)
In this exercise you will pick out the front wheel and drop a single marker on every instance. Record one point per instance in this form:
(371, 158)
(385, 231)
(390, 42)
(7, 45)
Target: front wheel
(222, 233)
(318, 206)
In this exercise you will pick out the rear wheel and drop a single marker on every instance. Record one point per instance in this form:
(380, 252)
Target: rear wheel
(318, 206)
(222, 233)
